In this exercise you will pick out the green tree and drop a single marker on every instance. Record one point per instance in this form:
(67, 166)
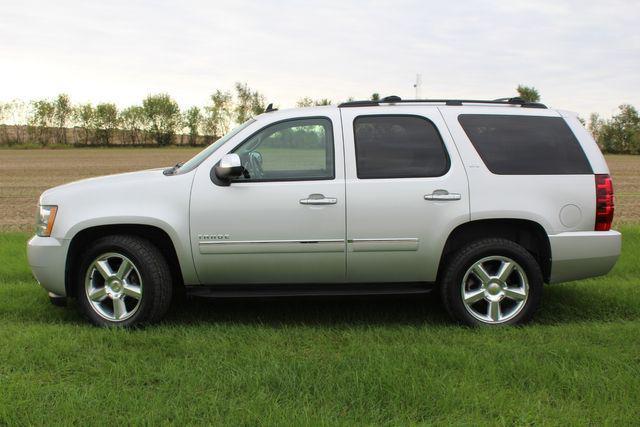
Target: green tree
(106, 122)
(4, 115)
(62, 113)
(621, 134)
(248, 103)
(375, 96)
(163, 117)
(258, 104)
(4, 109)
(41, 120)
(528, 93)
(84, 115)
(217, 114)
(193, 121)
(17, 113)
(308, 102)
(133, 121)
(304, 102)
(595, 125)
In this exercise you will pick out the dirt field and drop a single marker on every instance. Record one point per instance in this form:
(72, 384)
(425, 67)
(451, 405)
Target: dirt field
(24, 174)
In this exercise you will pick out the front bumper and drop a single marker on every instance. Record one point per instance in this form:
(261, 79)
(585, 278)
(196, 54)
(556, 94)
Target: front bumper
(582, 254)
(47, 259)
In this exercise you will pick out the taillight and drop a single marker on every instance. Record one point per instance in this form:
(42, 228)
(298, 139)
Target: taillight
(604, 202)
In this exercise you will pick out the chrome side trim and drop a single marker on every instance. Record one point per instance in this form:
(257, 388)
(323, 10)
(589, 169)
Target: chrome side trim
(384, 244)
(253, 242)
(271, 246)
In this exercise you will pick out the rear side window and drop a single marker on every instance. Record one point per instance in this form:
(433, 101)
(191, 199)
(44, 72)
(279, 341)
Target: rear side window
(398, 147)
(525, 145)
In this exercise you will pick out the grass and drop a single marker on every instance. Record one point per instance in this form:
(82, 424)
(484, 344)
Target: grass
(295, 361)
(324, 362)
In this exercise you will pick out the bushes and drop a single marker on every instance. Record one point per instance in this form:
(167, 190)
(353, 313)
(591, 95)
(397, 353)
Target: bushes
(620, 134)
(157, 121)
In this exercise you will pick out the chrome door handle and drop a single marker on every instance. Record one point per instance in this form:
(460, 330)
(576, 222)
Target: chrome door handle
(440, 195)
(318, 199)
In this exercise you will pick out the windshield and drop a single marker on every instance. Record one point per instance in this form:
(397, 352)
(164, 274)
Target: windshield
(201, 156)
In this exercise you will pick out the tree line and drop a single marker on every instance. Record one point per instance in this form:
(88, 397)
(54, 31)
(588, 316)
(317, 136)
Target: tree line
(158, 120)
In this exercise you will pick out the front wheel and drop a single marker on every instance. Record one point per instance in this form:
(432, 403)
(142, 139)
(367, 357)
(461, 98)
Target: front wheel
(492, 282)
(123, 281)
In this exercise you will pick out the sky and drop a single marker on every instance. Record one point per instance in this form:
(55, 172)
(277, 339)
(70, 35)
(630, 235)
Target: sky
(582, 56)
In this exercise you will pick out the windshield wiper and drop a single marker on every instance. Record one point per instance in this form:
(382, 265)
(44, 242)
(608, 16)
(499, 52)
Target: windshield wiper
(172, 170)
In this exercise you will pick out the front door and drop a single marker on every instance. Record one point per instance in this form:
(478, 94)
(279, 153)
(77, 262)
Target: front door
(284, 221)
(406, 190)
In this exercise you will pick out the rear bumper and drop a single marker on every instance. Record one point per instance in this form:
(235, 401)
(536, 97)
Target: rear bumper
(578, 255)
(47, 259)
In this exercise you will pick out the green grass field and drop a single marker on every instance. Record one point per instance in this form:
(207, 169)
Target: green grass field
(324, 362)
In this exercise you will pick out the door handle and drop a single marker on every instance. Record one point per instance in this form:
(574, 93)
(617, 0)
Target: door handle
(442, 195)
(318, 199)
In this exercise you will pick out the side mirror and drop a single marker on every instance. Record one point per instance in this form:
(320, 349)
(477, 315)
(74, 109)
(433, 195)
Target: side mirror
(226, 169)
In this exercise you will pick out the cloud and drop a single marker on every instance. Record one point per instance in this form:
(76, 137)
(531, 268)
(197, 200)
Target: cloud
(582, 56)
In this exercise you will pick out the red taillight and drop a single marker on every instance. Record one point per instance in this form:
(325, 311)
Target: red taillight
(604, 202)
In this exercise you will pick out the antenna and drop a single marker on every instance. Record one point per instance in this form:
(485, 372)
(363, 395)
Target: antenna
(418, 86)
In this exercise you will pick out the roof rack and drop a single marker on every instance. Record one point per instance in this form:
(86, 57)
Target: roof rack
(397, 100)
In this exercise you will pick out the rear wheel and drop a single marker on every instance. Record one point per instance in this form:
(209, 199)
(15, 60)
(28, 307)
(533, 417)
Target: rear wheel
(492, 282)
(123, 281)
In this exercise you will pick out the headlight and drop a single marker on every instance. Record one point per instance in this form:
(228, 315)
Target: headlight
(45, 219)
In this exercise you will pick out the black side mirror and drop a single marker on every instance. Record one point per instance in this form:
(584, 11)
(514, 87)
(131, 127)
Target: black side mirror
(228, 168)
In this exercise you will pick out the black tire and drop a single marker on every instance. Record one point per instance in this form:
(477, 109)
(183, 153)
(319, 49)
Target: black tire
(462, 260)
(154, 272)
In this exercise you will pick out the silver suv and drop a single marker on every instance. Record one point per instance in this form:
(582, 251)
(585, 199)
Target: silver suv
(483, 200)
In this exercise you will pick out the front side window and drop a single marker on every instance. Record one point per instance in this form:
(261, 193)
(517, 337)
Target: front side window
(398, 147)
(525, 145)
(292, 150)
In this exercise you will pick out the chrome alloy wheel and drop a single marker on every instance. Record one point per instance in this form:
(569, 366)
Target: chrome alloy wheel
(113, 286)
(495, 289)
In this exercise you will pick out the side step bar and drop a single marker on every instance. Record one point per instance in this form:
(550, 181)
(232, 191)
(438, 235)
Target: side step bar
(307, 290)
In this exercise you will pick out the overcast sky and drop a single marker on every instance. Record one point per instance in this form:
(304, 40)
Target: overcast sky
(581, 55)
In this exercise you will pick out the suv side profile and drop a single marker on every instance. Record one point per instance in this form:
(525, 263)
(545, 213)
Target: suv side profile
(483, 200)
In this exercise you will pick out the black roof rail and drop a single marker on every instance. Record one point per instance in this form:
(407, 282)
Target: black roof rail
(392, 98)
(397, 100)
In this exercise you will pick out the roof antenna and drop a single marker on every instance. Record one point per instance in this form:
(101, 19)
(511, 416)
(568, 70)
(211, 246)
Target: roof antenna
(418, 86)
(270, 108)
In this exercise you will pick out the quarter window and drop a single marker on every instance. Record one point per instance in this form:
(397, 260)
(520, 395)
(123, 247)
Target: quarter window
(398, 147)
(525, 145)
(292, 150)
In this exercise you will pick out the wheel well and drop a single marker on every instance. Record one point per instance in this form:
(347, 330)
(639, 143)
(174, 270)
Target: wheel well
(528, 234)
(155, 235)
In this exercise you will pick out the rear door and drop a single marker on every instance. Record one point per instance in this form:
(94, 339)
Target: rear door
(406, 190)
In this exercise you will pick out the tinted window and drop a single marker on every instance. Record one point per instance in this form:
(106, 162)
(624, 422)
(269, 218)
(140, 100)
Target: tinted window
(525, 145)
(292, 150)
(398, 147)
